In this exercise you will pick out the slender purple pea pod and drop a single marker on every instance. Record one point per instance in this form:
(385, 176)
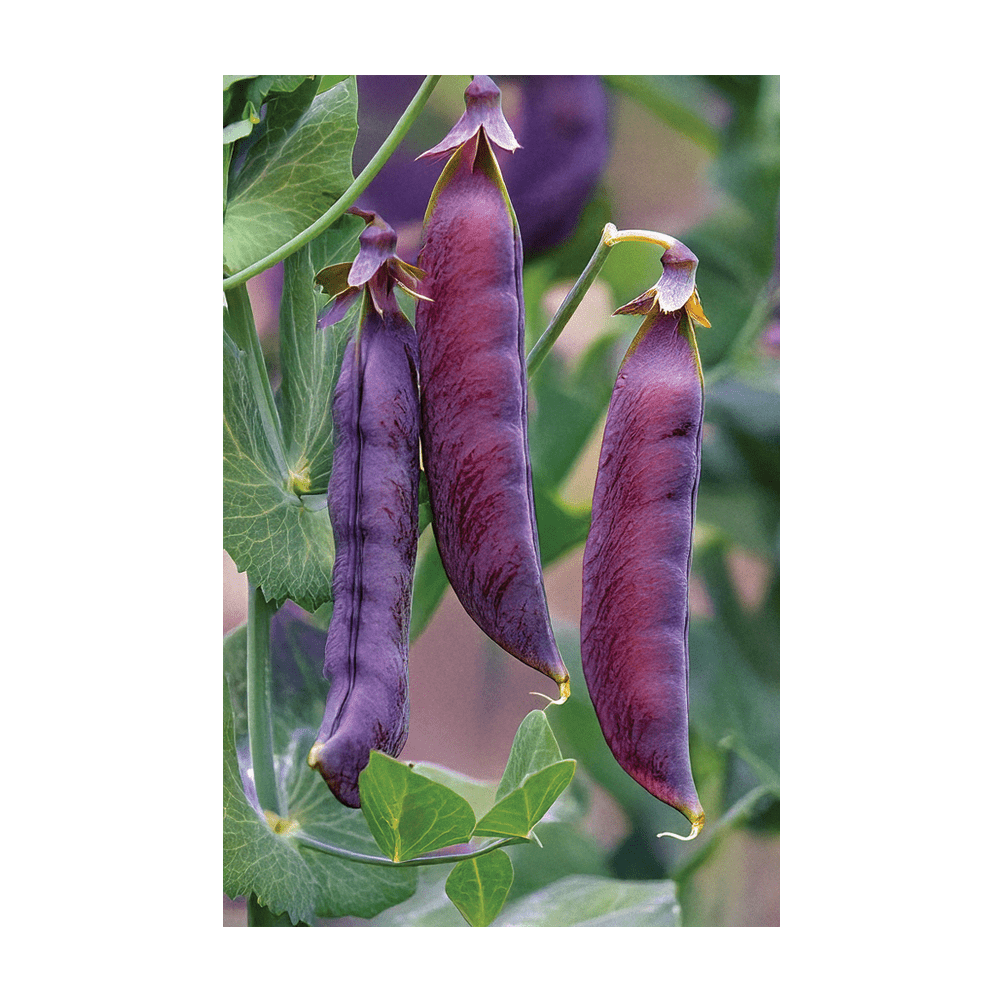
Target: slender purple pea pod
(474, 403)
(637, 560)
(373, 503)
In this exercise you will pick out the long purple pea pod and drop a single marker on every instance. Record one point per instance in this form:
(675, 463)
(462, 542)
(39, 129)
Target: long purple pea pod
(373, 507)
(637, 560)
(474, 415)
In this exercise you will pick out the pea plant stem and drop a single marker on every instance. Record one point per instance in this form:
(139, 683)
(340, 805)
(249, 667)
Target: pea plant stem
(610, 237)
(568, 305)
(344, 202)
(369, 859)
(259, 614)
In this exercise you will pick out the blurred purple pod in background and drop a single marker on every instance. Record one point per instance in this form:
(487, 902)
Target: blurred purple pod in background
(563, 128)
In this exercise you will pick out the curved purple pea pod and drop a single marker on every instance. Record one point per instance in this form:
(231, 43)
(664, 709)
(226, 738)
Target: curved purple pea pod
(373, 504)
(474, 392)
(637, 560)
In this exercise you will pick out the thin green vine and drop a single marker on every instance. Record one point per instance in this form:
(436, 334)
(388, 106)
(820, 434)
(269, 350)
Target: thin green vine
(348, 198)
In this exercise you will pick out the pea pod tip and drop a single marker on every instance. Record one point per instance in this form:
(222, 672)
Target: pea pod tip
(563, 694)
(697, 822)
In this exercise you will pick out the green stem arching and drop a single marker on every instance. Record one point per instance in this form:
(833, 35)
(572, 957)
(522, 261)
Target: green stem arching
(369, 859)
(344, 202)
(609, 238)
(569, 304)
(259, 615)
(244, 332)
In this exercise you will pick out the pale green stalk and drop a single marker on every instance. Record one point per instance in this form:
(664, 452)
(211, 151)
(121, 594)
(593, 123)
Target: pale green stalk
(609, 238)
(259, 615)
(369, 859)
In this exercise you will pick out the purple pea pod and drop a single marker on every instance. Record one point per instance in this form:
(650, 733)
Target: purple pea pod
(637, 560)
(373, 503)
(474, 407)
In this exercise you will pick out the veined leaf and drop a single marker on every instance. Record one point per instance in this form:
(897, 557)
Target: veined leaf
(284, 541)
(305, 884)
(293, 173)
(534, 748)
(409, 814)
(310, 357)
(479, 887)
(517, 813)
(593, 901)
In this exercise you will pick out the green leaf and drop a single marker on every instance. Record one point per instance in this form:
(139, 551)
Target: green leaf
(592, 901)
(254, 859)
(237, 130)
(229, 80)
(409, 814)
(535, 776)
(310, 357)
(293, 173)
(567, 850)
(326, 82)
(283, 540)
(429, 906)
(517, 813)
(259, 860)
(534, 748)
(479, 794)
(479, 887)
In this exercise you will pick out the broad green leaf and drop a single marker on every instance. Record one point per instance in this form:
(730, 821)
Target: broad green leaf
(565, 849)
(479, 887)
(310, 357)
(409, 814)
(326, 82)
(517, 813)
(429, 906)
(293, 173)
(286, 878)
(229, 80)
(255, 860)
(534, 748)
(592, 901)
(479, 794)
(284, 541)
(237, 130)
